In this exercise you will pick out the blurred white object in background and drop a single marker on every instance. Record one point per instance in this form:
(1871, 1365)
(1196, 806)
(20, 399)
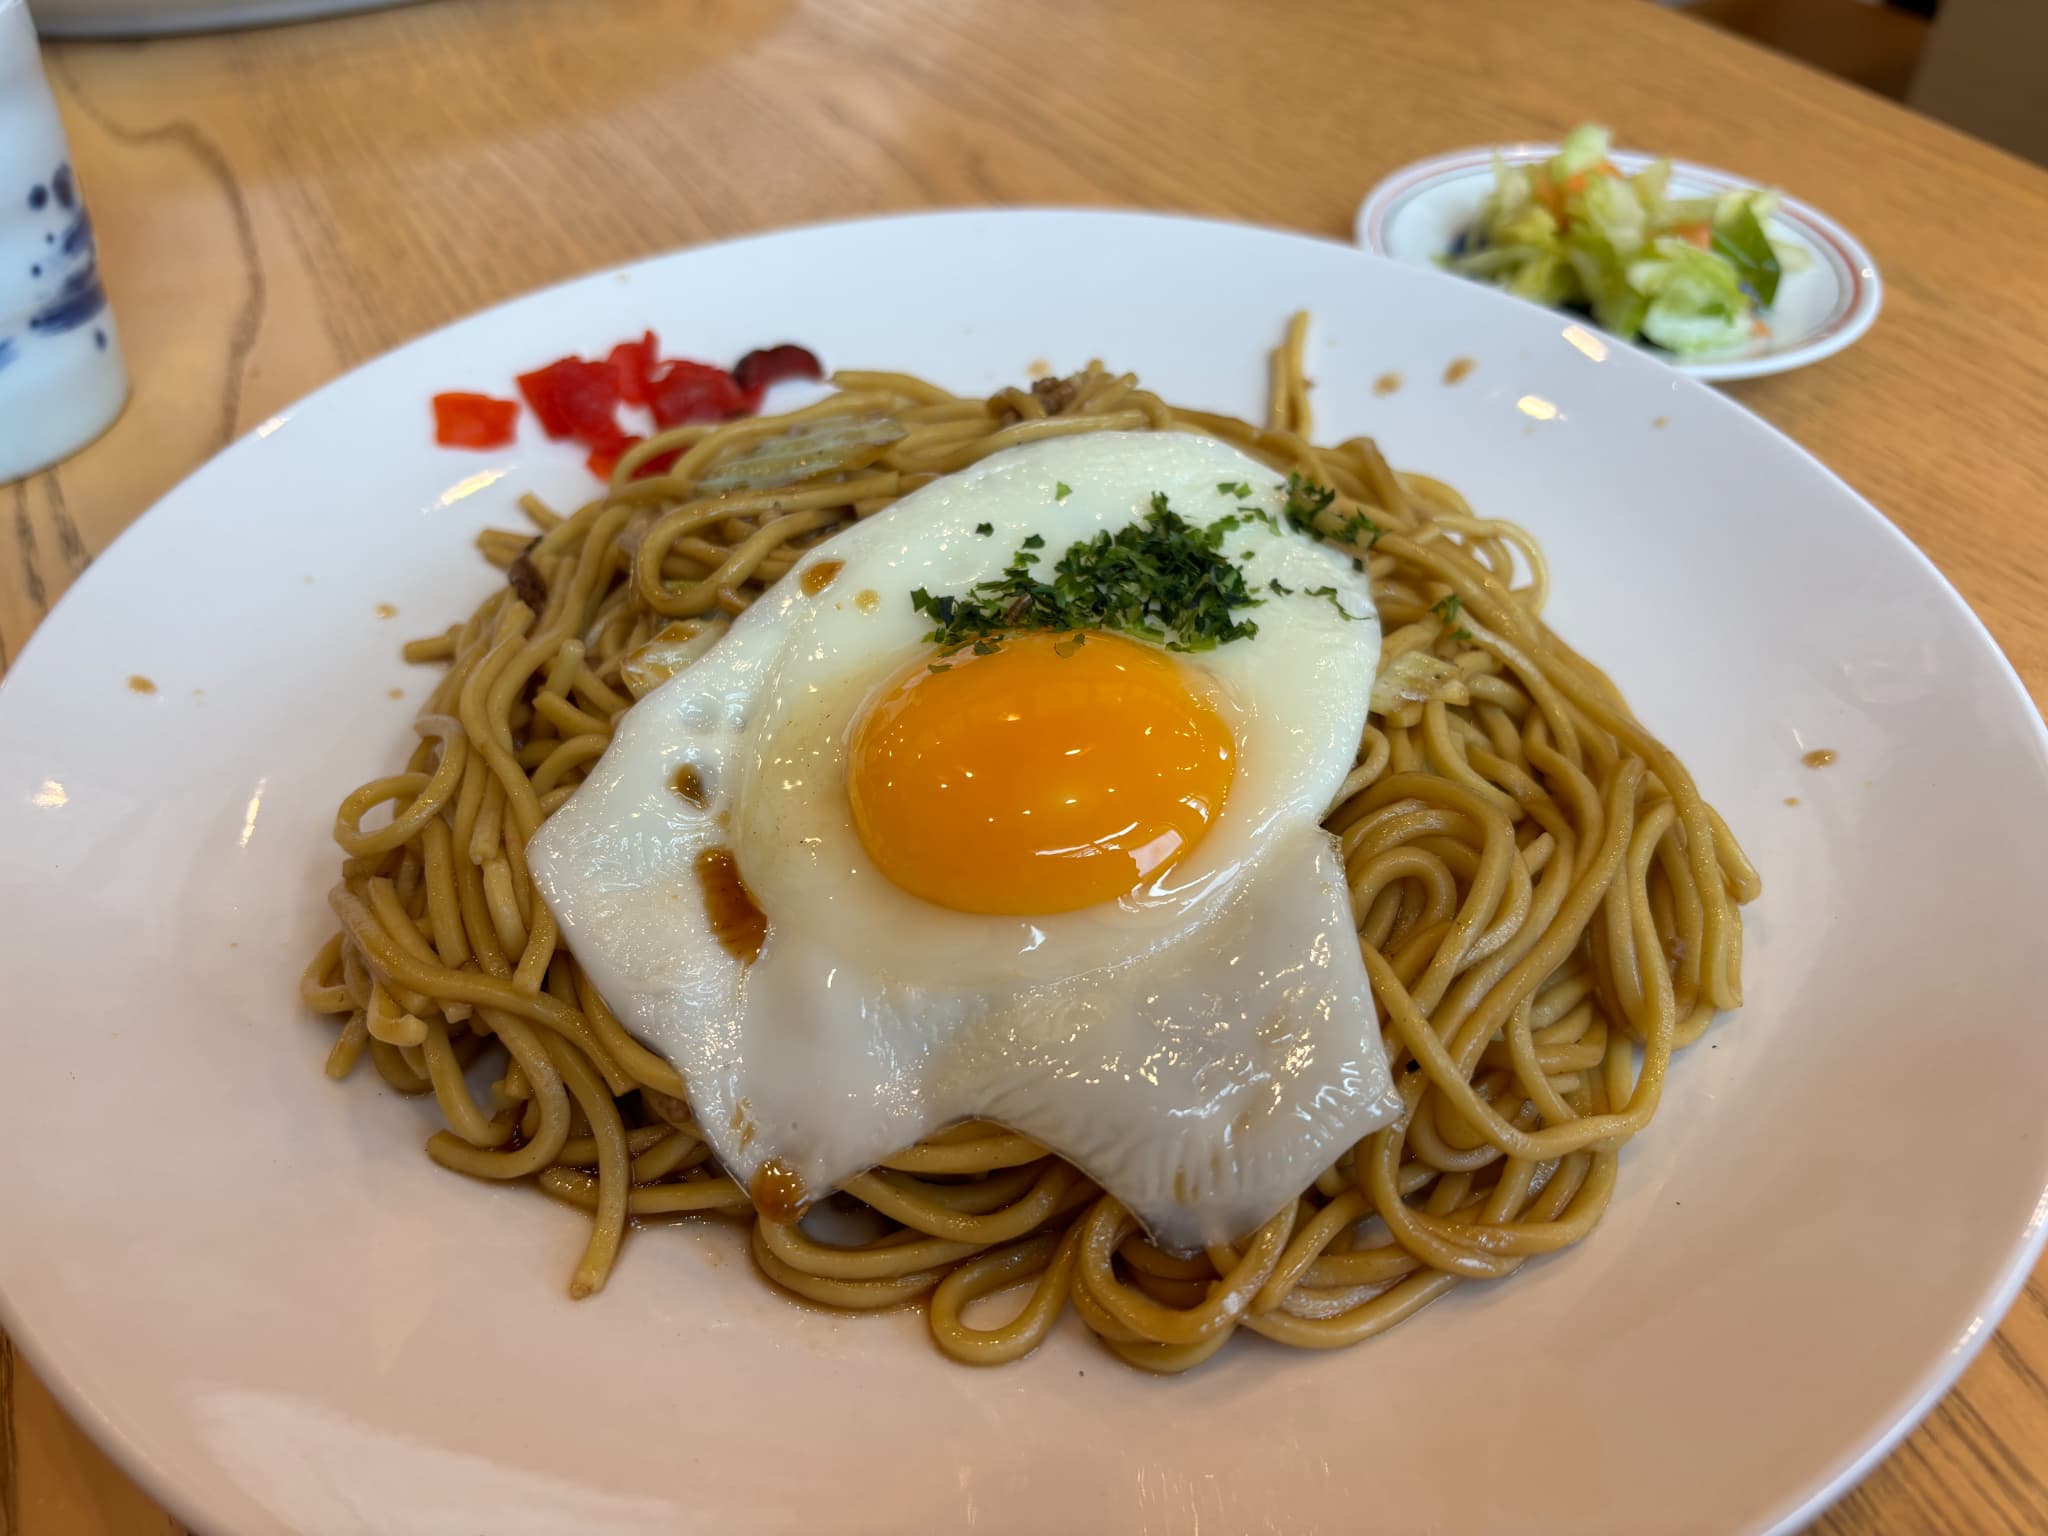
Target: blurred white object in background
(61, 378)
(139, 18)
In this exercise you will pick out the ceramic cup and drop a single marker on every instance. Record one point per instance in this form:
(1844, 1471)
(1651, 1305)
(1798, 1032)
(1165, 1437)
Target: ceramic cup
(61, 378)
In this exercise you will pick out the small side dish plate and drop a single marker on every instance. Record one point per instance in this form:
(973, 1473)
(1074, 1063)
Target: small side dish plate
(1417, 214)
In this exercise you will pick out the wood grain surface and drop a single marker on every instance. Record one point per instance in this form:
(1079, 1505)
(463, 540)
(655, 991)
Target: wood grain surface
(276, 206)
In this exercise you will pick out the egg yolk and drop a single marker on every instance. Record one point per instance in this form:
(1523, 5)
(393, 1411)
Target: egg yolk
(1053, 773)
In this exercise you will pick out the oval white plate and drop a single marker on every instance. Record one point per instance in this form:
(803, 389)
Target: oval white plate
(251, 1284)
(1417, 214)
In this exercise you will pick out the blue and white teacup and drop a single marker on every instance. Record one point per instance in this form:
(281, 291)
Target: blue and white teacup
(62, 382)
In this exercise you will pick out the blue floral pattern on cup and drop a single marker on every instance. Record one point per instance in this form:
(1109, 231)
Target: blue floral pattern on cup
(62, 381)
(68, 292)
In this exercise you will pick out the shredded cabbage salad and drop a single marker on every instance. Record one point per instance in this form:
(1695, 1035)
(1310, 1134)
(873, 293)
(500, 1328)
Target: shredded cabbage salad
(1690, 274)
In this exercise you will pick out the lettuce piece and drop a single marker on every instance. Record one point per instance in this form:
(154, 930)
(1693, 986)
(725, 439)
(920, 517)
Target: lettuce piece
(1583, 148)
(1739, 239)
(1532, 226)
(1604, 288)
(1502, 208)
(1511, 192)
(1680, 211)
(1696, 303)
(1608, 207)
(1650, 186)
(1493, 261)
(1547, 280)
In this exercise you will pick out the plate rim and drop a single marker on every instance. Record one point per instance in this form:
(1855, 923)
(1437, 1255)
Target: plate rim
(1853, 316)
(200, 17)
(1885, 1427)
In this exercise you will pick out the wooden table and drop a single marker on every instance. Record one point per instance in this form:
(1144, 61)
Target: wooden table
(277, 206)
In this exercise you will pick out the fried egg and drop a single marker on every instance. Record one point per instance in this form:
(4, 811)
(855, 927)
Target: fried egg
(857, 890)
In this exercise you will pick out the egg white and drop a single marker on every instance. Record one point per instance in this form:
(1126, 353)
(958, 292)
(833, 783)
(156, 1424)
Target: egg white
(1202, 1048)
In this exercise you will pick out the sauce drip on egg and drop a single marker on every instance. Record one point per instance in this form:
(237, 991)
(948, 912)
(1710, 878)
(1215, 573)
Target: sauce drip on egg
(778, 1192)
(738, 924)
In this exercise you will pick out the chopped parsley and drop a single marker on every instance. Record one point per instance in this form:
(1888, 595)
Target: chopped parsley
(1162, 579)
(1274, 586)
(1447, 609)
(1245, 515)
(1304, 505)
(984, 529)
(1306, 501)
(1335, 601)
(1357, 526)
(1061, 490)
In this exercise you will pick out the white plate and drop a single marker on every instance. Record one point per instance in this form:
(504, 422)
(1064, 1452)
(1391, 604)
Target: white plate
(253, 1287)
(1417, 214)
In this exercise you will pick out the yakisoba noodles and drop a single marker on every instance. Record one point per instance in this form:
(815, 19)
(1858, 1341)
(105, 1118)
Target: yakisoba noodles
(1539, 890)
